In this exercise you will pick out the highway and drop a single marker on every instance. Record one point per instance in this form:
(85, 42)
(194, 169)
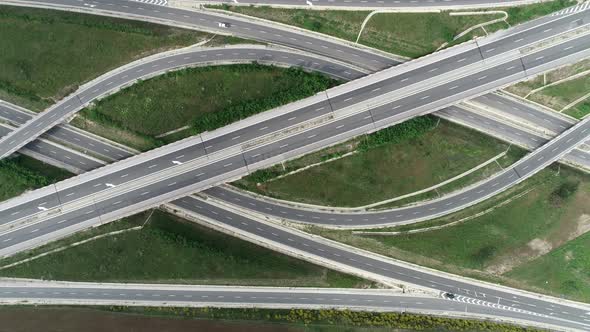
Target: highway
(199, 57)
(399, 215)
(78, 163)
(63, 293)
(209, 21)
(73, 215)
(487, 48)
(518, 112)
(511, 133)
(56, 154)
(69, 135)
(373, 266)
(375, 4)
(67, 222)
(513, 304)
(535, 309)
(551, 121)
(96, 91)
(109, 294)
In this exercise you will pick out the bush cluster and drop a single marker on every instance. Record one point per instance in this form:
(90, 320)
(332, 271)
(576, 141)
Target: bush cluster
(399, 133)
(309, 84)
(563, 192)
(34, 179)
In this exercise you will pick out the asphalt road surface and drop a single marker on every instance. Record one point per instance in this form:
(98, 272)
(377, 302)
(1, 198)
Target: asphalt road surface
(497, 44)
(315, 44)
(196, 177)
(96, 147)
(347, 256)
(510, 133)
(549, 120)
(260, 297)
(106, 295)
(509, 108)
(17, 238)
(202, 56)
(393, 4)
(73, 103)
(509, 177)
(556, 148)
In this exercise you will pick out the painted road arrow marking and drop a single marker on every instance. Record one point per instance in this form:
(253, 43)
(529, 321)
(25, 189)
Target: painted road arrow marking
(110, 185)
(42, 208)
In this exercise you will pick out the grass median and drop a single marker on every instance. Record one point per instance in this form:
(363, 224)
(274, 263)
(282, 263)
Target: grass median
(406, 34)
(198, 99)
(517, 233)
(561, 95)
(558, 88)
(402, 159)
(171, 250)
(47, 54)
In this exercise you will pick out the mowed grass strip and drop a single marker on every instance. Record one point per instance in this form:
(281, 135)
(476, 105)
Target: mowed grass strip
(203, 98)
(385, 167)
(170, 249)
(23, 173)
(406, 34)
(47, 54)
(497, 246)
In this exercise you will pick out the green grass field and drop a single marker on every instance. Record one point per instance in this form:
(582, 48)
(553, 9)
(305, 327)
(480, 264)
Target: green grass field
(122, 224)
(169, 249)
(47, 54)
(563, 271)
(23, 173)
(560, 95)
(498, 245)
(385, 171)
(203, 98)
(415, 35)
(405, 34)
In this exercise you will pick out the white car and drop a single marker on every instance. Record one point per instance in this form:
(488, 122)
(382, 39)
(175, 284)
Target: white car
(223, 24)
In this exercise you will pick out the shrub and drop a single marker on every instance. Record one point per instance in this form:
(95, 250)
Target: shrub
(309, 84)
(399, 133)
(563, 192)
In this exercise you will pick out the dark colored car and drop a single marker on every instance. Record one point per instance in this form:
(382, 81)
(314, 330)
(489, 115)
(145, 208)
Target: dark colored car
(449, 295)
